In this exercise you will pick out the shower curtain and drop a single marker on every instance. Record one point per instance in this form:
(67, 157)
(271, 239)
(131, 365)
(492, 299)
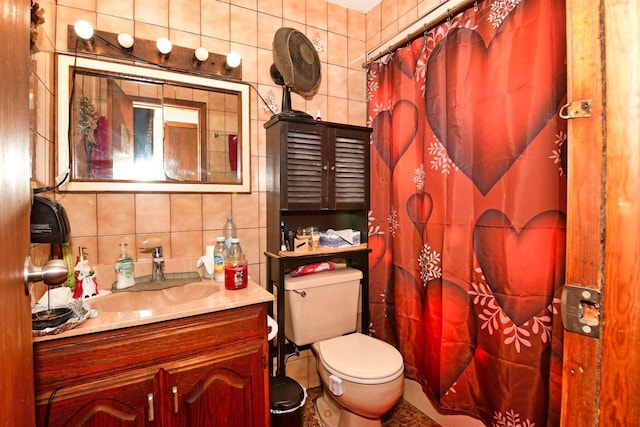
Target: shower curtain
(467, 221)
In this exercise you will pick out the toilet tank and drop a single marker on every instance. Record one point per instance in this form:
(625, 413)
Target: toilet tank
(321, 305)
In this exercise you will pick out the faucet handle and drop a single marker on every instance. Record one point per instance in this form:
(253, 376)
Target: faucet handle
(155, 250)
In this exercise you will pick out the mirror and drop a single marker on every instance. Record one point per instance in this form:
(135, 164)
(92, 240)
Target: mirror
(129, 128)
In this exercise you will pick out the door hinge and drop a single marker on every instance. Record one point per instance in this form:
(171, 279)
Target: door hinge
(580, 310)
(576, 109)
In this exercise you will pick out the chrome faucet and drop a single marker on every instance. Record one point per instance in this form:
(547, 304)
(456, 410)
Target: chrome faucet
(157, 270)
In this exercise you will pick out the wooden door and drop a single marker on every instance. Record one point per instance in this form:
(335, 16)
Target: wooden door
(601, 377)
(16, 369)
(181, 151)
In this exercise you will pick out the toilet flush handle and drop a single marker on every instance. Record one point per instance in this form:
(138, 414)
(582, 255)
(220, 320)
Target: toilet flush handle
(335, 385)
(301, 293)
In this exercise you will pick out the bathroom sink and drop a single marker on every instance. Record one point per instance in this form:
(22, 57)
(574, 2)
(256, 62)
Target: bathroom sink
(145, 283)
(154, 300)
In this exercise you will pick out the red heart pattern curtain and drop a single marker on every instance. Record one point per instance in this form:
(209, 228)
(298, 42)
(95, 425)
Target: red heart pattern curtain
(467, 223)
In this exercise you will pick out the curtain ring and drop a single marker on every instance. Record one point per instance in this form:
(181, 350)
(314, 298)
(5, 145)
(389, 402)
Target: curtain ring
(475, 5)
(448, 16)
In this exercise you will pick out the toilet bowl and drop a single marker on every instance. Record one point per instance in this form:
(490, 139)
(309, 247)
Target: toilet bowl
(362, 378)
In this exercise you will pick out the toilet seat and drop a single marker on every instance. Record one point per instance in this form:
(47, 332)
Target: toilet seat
(361, 359)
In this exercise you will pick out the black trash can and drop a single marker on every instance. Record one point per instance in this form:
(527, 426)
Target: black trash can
(287, 399)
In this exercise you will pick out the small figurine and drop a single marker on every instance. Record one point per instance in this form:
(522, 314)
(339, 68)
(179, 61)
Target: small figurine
(86, 285)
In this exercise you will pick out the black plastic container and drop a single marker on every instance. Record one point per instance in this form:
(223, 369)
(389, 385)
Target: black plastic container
(287, 399)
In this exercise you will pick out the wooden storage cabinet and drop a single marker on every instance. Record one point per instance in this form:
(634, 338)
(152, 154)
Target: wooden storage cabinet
(318, 165)
(202, 370)
(318, 175)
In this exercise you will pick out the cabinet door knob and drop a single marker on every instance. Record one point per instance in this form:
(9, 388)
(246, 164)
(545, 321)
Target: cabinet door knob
(150, 402)
(174, 392)
(333, 167)
(325, 167)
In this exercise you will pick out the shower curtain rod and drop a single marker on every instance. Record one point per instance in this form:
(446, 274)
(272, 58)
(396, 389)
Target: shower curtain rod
(432, 17)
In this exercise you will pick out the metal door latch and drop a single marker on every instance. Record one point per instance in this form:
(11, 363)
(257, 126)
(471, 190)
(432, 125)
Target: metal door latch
(580, 310)
(576, 109)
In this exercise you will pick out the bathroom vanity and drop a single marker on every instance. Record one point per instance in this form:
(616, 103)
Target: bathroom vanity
(199, 362)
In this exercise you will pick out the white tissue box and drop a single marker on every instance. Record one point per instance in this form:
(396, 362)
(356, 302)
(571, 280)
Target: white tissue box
(339, 238)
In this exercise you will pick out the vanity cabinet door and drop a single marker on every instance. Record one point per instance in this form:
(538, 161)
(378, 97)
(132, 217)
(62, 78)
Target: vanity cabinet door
(222, 391)
(118, 402)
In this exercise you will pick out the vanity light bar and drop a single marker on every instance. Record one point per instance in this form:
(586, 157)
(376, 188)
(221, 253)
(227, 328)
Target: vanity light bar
(181, 58)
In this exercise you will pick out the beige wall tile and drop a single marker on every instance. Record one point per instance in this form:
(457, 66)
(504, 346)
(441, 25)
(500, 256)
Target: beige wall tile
(357, 25)
(337, 80)
(267, 27)
(120, 8)
(215, 19)
(374, 21)
(356, 55)
(153, 213)
(215, 209)
(337, 110)
(338, 19)
(186, 244)
(155, 13)
(404, 6)
(357, 84)
(294, 10)
(316, 14)
(186, 212)
(115, 24)
(244, 26)
(272, 7)
(116, 214)
(79, 4)
(245, 210)
(82, 212)
(388, 12)
(184, 15)
(337, 47)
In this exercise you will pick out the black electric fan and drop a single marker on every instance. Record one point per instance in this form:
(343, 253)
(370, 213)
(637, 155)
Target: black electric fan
(296, 67)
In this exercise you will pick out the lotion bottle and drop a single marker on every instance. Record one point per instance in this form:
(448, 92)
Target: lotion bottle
(124, 269)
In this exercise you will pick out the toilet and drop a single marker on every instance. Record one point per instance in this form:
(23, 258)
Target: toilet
(362, 377)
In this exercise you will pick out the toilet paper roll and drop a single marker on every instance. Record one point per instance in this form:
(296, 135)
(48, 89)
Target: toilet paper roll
(274, 328)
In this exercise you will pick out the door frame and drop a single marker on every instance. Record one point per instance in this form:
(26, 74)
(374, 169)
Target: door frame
(601, 377)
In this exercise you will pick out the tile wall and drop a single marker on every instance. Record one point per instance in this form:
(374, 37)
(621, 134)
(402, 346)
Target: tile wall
(186, 223)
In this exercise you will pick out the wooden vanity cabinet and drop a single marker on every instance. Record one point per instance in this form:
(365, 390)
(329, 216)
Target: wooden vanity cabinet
(206, 370)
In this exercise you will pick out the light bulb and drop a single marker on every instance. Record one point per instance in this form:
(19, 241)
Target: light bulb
(163, 45)
(233, 60)
(83, 29)
(125, 40)
(201, 54)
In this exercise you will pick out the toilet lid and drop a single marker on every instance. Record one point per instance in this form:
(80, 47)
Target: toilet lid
(361, 359)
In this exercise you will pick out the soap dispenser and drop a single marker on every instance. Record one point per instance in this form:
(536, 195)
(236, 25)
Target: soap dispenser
(124, 269)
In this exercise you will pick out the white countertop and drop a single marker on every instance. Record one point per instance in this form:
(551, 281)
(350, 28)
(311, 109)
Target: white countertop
(126, 309)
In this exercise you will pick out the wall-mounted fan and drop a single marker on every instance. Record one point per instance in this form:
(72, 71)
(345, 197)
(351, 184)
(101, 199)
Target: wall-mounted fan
(296, 67)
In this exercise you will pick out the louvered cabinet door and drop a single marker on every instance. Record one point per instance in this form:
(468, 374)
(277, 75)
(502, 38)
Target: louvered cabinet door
(350, 169)
(304, 180)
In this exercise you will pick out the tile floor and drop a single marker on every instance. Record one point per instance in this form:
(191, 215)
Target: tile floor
(402, 415)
